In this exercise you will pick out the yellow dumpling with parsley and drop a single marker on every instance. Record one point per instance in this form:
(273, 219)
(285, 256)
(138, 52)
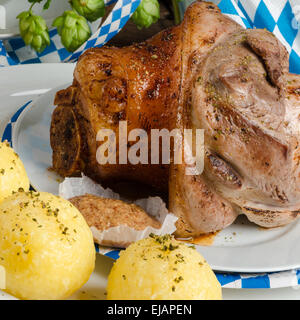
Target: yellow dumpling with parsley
(46, 247)
(13, 176)
(161, 268)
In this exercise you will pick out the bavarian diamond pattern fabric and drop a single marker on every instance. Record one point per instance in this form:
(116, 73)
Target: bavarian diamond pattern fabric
(282, 17)
(14, 51)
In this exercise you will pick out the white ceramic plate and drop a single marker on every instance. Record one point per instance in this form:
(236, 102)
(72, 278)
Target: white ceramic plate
(242, 247)
(18, 85)
(31, 141)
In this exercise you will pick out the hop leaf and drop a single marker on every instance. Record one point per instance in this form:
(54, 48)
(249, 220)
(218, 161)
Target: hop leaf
(73, 29)
(35, 1)
(146, 13)
(33, 30)
(47, 5)
(90, 9)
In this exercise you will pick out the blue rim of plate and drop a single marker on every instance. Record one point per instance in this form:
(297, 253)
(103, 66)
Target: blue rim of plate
(227, 280)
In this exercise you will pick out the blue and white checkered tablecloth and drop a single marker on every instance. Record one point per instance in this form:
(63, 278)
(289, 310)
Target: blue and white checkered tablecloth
(14, 51)
(282, 17)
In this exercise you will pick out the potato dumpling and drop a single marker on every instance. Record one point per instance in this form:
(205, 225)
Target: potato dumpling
(160, 267)
(46, 246)
(2, 277)
(12, 172)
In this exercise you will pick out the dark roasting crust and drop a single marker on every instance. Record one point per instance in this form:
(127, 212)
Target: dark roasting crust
(66, 140)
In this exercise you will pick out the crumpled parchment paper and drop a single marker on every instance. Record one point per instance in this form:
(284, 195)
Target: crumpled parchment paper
(122, 235)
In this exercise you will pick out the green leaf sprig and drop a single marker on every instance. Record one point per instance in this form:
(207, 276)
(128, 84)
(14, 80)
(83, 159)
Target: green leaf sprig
(147, 13)
(92, 10)
(72, 25)
(33, 30)
(73, 30)
(46, 5)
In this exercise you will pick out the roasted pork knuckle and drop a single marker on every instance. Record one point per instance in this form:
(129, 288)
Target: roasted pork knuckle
(206, 73)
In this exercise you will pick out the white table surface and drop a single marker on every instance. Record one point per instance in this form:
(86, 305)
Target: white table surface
(12, 96)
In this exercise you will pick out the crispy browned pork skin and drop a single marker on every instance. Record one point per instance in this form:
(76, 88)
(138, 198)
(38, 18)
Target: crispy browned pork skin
(206, 73)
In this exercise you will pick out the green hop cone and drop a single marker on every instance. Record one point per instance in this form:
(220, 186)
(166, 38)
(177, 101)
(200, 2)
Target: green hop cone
(146, 13)
(73, 30)
(90, 9)
(33, 30)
